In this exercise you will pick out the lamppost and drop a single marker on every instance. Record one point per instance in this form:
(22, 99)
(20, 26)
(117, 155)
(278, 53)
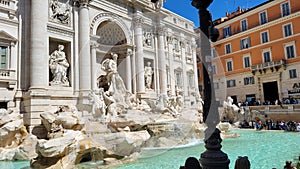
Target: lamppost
(213, 157)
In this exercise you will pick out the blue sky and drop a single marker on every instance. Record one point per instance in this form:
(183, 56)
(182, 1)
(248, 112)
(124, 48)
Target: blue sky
(218, 8)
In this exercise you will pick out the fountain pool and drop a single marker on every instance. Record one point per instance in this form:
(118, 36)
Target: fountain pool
(265, 150)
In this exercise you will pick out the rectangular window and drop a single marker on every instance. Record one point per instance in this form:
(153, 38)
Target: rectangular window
(244, 25)
(229, 66)
(214, 53)
(245, 43)
(214, 70)
(191, 80)
(228, 48)
(230, 83)
(285, 9)
(175, 44)
(267, 56)
(178, 78)
(287, 30)
(226, 31)
(3, 55)
(290, 51)
(246, 62)
(248, 80)
(264, 37)
(293, 73)
(216, 85)
(263, 17)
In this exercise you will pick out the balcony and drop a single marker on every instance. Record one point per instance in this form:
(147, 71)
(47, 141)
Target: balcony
(9, 6)
(273, 66)
(7, 75)
(5, 3)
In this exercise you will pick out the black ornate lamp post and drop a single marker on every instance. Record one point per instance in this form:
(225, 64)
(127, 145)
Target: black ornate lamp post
(213, 157)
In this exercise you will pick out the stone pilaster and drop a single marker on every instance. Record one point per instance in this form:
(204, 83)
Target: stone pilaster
(194, 55)
(139, 53)
(169, 37)
(94, 65)
(38, 46)
(128, 70)
(84, 46)
(162, 60)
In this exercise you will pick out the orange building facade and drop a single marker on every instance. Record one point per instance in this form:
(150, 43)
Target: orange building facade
(257, 56)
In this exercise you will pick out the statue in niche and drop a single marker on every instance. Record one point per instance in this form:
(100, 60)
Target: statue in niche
(114, 83)
(148, 39)
(148, 72)
(59, 65)
(60, 12)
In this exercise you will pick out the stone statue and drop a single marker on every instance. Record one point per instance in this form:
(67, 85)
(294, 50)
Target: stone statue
(158, 4)
(162, 104)
(148, 39)
(103, 105)
(98, 104)
(60, 12)
(112, 82)
(231, 111)
(148, 75)
(58, 65)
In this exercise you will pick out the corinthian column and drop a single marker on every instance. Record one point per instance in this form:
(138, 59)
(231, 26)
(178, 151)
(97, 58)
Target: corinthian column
(84, 46)
(94, 65)
(128, 70)
(139, 53)
(38, 46)
(162, 61)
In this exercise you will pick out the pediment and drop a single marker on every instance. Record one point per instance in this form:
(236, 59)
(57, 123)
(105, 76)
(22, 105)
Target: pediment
(5, 36)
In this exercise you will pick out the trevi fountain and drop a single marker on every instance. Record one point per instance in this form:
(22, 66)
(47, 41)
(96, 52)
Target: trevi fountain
(118, 126)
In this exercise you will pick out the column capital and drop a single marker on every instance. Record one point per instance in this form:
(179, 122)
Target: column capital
(94, 45)
(129, 52)
(138, 21)
(161, 30)
(82, 3)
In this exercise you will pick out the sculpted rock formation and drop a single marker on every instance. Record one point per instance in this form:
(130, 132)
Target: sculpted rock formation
(231, 111)
(15, 142)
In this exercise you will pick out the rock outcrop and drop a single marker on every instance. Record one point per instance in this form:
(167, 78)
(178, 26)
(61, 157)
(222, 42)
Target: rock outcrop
(15, 142)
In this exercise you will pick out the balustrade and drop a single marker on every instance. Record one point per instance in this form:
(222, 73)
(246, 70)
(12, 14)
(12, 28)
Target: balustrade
(7, 74)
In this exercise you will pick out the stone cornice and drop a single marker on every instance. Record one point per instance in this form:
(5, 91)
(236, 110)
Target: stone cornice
(258, 28)
(60, 30)
(249, 13)
(9, 21)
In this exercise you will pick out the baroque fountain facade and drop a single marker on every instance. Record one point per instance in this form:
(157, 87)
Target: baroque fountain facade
(95, 81)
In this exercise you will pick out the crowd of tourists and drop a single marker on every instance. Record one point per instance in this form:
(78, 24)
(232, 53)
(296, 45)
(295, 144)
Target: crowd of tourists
(271, 125)
(254, 102)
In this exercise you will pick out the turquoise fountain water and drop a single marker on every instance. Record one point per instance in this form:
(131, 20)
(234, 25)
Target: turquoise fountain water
(265, 150)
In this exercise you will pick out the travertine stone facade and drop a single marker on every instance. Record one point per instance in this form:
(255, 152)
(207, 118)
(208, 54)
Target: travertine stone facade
(89, 31)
